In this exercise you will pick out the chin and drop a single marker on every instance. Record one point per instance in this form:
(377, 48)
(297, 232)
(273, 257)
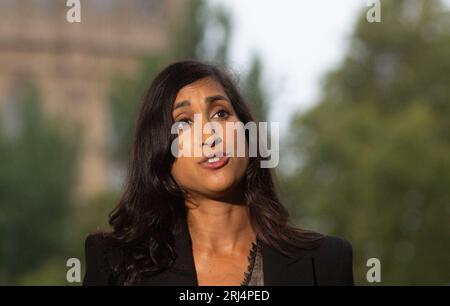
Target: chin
(218, 186)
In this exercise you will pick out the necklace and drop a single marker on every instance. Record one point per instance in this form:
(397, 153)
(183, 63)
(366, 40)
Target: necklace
(251, 263)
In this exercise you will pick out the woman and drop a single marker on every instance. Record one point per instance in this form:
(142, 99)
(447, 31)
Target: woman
(213, 219)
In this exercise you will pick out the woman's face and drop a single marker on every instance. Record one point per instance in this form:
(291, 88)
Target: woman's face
(201, 102)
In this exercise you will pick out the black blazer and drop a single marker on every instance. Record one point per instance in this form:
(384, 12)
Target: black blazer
(329, 264)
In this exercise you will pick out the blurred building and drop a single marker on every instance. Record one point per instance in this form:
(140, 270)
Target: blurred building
(72, 64)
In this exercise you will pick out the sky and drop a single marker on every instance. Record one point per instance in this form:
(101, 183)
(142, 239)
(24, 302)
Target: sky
(298, 40)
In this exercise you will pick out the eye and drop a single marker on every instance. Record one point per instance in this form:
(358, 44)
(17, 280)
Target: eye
(222, 114)
(183, 123)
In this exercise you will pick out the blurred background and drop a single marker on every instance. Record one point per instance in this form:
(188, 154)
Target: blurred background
(364, 110)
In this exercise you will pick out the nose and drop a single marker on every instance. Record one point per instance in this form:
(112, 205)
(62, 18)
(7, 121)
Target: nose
(212, 140)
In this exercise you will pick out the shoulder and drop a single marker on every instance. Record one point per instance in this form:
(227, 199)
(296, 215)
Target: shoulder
(101, 260)
(94, 240)
(95, 245)
(334, 246)
(333, 261)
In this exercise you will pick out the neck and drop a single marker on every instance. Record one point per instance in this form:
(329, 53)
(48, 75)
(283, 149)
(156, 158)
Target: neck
(218, 226)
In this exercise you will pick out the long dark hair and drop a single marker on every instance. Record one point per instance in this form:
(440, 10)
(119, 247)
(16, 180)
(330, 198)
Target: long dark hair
(152, 206)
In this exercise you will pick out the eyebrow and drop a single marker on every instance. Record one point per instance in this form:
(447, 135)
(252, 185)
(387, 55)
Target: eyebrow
(208, 100)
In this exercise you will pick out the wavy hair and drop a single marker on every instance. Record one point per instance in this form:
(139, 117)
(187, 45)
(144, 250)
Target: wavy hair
(152, 206)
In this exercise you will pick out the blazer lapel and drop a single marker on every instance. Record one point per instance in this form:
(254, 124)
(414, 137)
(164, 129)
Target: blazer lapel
(183, 272)
(281, 270)
(296, 269)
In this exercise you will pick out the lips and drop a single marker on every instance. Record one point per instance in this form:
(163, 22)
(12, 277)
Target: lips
(215, 160)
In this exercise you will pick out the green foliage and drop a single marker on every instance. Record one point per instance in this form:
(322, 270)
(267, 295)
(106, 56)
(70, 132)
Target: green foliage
(125, 99)
(51, 272)
(37, 173)
(254, 92)
(188, 31)
(188, 42)
(374, 155)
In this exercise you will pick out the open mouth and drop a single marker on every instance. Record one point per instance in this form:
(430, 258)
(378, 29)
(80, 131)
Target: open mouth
(215, 161)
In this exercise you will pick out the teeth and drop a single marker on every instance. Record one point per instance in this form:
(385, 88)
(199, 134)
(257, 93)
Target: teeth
(213, 159)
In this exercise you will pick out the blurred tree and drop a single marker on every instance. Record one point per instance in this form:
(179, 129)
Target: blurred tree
(203, 33)
(125, 100)
(37, 173)
(217, 29)
(373, 157)
(127, 92)
(189, 31)
(254, 91)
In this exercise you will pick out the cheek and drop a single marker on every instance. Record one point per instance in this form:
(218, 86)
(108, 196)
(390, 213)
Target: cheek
(184, 172)
(241, 164)
(186, 144)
